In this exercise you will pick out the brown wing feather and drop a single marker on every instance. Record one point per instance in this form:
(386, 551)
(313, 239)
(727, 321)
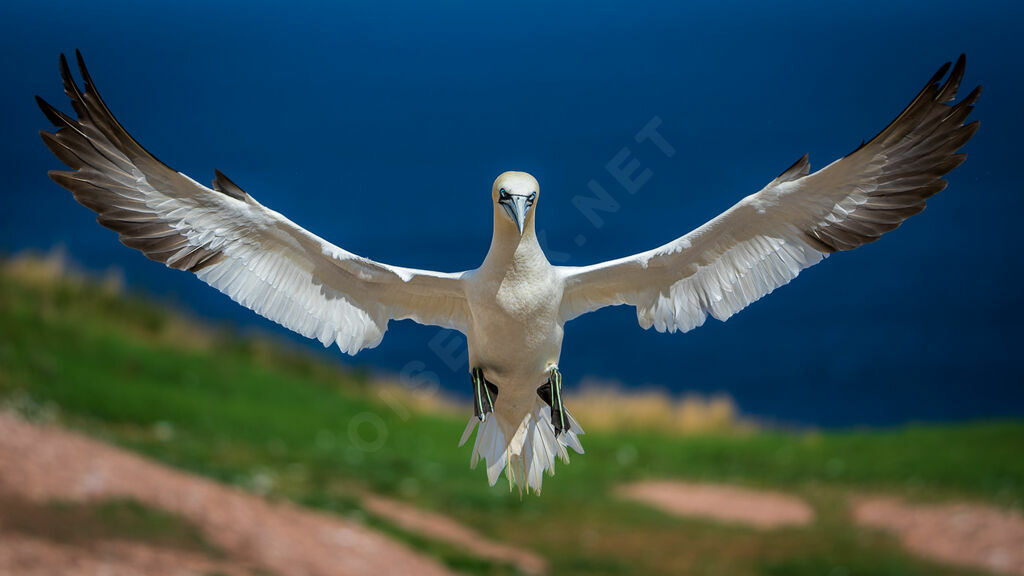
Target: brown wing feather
(105, 160)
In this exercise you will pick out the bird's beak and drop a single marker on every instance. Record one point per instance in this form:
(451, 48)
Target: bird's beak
(517, 207)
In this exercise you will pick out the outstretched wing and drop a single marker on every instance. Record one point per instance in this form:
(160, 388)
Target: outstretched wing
(766, 239)
(230, 241)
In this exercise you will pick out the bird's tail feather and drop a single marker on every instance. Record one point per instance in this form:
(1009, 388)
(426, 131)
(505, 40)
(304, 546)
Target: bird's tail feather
(525, 451)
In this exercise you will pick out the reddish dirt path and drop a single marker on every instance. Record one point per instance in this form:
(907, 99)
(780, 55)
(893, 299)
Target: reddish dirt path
(45, 463)
(444, 529)
(728, 504)
(956, 533)
(26, 556)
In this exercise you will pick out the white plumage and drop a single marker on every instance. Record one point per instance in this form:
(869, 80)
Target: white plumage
(512, 308)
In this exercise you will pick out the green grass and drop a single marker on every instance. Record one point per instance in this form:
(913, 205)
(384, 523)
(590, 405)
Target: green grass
(248, 413)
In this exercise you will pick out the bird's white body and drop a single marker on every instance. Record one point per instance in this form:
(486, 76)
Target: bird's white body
(514, 332)
(512, 308)
(515, 335)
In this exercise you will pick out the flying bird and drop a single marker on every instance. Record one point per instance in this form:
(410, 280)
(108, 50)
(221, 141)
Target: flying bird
(512, 309)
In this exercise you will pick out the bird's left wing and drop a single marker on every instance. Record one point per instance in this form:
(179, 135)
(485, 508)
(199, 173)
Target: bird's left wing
(256, 256)
(767, 238)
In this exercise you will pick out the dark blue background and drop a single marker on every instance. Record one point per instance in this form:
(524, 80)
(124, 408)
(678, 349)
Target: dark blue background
(381, 127)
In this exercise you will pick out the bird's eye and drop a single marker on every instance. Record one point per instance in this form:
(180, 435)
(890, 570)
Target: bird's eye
(503, 193)
(532, 197)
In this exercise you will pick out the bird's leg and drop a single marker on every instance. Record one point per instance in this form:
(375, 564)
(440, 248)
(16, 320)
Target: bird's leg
(484, 394)
(551, 393)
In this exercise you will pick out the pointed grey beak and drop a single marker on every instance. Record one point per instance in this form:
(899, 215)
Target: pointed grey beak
(517, 206)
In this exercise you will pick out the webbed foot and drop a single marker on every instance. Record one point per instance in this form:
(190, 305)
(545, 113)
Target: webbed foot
(484, 394)
(551, 393)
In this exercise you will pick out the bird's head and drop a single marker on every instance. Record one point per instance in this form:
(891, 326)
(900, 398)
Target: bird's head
(514, 195)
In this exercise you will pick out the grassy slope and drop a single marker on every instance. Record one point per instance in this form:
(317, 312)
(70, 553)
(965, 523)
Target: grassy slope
(248, 413)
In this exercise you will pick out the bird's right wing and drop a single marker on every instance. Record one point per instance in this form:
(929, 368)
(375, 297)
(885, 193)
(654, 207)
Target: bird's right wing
(230, 241)
(767, 238)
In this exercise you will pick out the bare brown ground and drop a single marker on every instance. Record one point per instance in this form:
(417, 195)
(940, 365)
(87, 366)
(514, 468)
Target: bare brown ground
(963, 534)
(444, 529)
(27, 556)
(45, 463)
(728, 504)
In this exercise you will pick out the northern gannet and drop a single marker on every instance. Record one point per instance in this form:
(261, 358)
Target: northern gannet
(512, 308)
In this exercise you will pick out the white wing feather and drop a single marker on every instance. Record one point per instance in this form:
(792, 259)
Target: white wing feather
(230, 241)
(767, 238)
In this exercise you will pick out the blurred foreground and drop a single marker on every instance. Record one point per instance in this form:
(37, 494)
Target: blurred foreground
(382, 460)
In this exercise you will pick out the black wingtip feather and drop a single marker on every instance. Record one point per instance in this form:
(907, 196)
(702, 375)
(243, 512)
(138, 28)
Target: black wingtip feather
(799, 169)
(940, 73)
(96, 140)
(932, 92)
(86, 78)
(971, 98)
(71, 89)
(65, 74)
(224, 185)
(923, 140)
(51, 113)
(949, 90)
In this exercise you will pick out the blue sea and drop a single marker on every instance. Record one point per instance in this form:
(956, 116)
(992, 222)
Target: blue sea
(380, 126)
